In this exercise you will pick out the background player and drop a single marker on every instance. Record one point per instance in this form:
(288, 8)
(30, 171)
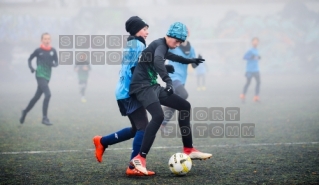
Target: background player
(201, 70)
(252, 69)
(83, 68)
(46, 59)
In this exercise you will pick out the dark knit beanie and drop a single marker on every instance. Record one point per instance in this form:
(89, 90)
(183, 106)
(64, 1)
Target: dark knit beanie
(134, 24)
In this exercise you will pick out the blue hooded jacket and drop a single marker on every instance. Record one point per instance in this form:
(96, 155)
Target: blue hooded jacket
(130, 59)
(180, 69)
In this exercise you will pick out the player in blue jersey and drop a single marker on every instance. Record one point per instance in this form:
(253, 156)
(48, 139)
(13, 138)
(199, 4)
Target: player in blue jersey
(128, 105)
(252, 57)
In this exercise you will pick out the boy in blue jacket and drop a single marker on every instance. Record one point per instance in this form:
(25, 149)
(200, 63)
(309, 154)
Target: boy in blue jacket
(252, 69)
(128, 105)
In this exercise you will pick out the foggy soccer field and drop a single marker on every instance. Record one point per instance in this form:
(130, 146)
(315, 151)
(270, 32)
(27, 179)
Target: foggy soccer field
(284, 151)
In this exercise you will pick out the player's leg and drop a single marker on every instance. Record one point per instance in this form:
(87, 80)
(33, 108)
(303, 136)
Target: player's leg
(173, 101)
(248, 77)
(139, 120)
(32, 102)
(82, 90)
(127, 107)
(198, 81)
(101, 143)
(257, 77)
(149, 99)
(169, 112)
(184, 107)
(203, 82)
(44, 85)
(157, 115)
(84, 85)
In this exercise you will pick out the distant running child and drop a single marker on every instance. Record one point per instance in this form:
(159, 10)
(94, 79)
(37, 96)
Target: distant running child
(252, 57)
(46, 59)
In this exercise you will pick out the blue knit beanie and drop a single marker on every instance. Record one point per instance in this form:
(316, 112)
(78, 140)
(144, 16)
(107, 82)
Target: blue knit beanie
(178, 31)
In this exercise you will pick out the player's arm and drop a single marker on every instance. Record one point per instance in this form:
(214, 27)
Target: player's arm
(159, 62)
(34, 54)
(182, 60)
(248, 55)
(55, 59)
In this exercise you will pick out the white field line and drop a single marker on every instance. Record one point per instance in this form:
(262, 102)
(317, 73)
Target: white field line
(166, 147)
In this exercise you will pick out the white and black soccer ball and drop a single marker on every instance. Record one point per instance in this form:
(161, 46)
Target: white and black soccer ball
(180, 164)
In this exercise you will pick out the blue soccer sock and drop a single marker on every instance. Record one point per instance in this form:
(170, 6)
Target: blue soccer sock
(137, 143)
(117, 137)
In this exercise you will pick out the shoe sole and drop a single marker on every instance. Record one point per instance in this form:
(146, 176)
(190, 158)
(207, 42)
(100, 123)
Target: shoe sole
(201, 158)
(143, 175)
(139, 175)
(132, 164)
(135, 175)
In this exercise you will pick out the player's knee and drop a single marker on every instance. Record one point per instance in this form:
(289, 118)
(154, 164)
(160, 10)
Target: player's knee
(36, 98)
(47, 95)
(187, 106)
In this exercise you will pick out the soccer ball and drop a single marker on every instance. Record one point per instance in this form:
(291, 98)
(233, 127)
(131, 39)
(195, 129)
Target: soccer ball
(180, 164)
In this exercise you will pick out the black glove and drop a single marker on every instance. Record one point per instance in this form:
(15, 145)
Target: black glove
(169, 68)
(169, 89)
(32, 69)
(196, 61)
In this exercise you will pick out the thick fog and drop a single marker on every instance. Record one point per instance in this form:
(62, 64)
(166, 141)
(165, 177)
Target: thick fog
(221, 31)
